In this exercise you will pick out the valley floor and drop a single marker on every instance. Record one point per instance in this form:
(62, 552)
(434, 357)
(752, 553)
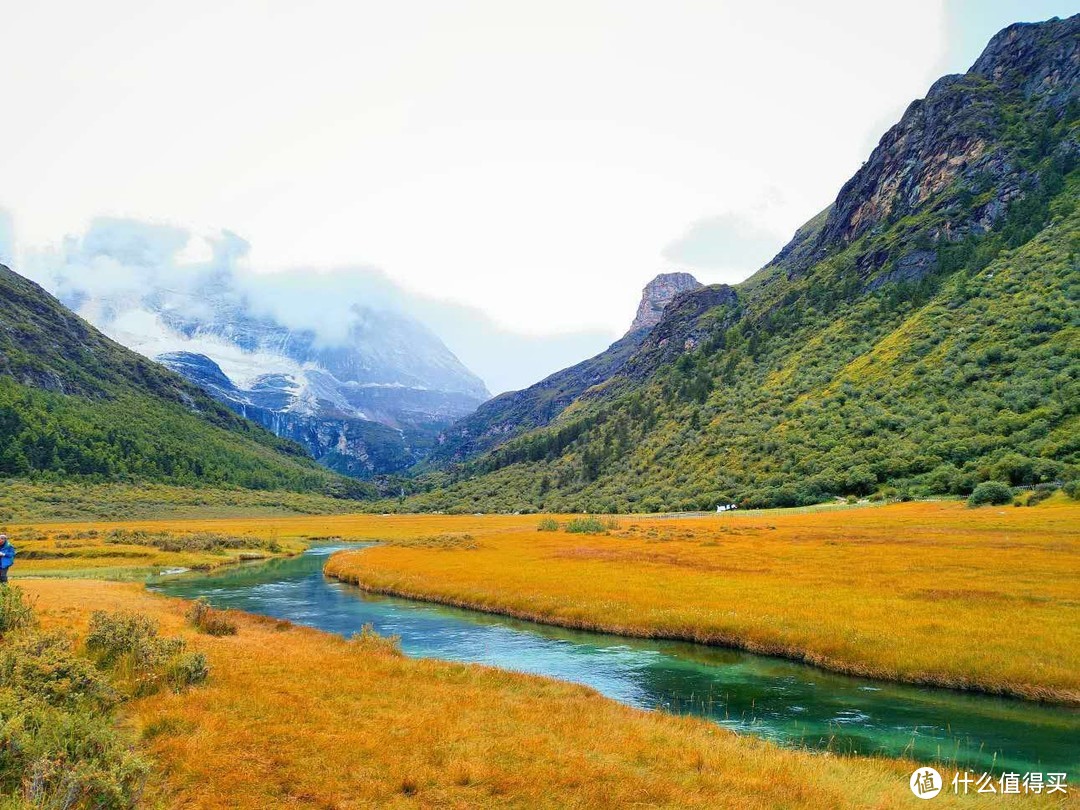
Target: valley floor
(934, 593)
(294, 717)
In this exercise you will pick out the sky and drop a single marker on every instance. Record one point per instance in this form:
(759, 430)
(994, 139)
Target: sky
(521, 169)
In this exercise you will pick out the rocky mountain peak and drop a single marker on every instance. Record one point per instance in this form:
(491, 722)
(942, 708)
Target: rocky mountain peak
(965, 135)
(1036, 59)
(657, 295)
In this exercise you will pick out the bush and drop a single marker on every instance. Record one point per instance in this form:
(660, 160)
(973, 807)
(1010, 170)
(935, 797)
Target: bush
(44, 667)
(129, 644)
(65, 758)
(548, 525)
(59, 747)
(1072, 489)
(187, 669)
(191, 541)
(59, 744)
(586, 525)
(1041, 493)
(15, 611)
(114, 636)
(990, 492)
(208, 620)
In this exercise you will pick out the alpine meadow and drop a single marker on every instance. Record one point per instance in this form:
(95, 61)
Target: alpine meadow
(805, 535)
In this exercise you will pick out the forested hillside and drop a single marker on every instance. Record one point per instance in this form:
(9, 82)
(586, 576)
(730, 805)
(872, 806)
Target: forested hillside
(919, 336)
(74, 404)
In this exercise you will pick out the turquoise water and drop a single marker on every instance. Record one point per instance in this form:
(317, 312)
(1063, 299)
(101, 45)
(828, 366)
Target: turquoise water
(789, 703)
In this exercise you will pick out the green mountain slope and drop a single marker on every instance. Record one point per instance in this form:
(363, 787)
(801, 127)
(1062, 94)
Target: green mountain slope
(75, 404)
(921, 333)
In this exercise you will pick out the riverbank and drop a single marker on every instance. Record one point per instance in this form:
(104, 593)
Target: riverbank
(926, 593)
(291, 716)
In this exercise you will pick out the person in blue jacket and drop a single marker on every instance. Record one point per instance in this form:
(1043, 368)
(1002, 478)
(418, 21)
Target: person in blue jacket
(7, 558)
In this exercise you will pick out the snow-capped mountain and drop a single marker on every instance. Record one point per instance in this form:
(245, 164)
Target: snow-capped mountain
(366, 392)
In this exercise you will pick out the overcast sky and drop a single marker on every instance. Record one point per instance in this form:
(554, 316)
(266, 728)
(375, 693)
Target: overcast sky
(539, 161)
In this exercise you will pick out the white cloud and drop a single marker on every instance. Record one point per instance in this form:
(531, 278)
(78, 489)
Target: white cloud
(729, 242)
(106, 271)
(531, 159)
(7, 238)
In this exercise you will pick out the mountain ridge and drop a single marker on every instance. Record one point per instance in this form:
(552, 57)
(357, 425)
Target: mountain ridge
(745, 392)
(74, 403)
(514, 412)
(365, 393)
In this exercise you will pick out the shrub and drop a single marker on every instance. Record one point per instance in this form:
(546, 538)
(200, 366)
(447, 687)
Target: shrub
(44, 667)
(1041, 493)
(187, 669)
(586, 525)
(15, 611)
(60, 758)
(59, 744)
(114, 636)
(208, 620)
(1072, 489)
(59, 747)
(548, 525)
(129, 644)
(990, 492)
(190, 541)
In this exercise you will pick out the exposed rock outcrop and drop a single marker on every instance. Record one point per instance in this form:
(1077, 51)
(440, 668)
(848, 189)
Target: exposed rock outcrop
(959, 138)
(515, 412)
(657, 294)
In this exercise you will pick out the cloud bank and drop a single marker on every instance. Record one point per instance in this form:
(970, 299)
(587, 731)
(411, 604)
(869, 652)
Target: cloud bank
(728, 242)
(108, 269)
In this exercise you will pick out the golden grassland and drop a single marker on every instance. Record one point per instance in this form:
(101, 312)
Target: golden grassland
(58, 550)
(929, 592)
(292, 717)
(80, 548)
(932, 592)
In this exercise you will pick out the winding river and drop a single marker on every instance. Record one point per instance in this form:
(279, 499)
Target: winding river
(787, 702)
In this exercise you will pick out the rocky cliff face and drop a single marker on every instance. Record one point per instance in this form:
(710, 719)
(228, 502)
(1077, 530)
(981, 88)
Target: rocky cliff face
(965, 141)
(657, 295)
(681, 328)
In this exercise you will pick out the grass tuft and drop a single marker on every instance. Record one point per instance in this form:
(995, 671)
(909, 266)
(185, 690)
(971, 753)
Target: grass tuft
(207, 620)
(585, 525)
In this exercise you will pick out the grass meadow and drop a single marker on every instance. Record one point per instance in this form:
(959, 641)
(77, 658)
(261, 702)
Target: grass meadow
(930, 592)
(934, 592)
(291, 717)
(122, 552)
(927, 592)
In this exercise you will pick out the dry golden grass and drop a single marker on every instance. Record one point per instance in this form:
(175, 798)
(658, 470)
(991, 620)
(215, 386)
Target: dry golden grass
(930, 593)
(82, 549)
(296, 718)
(937, 593)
